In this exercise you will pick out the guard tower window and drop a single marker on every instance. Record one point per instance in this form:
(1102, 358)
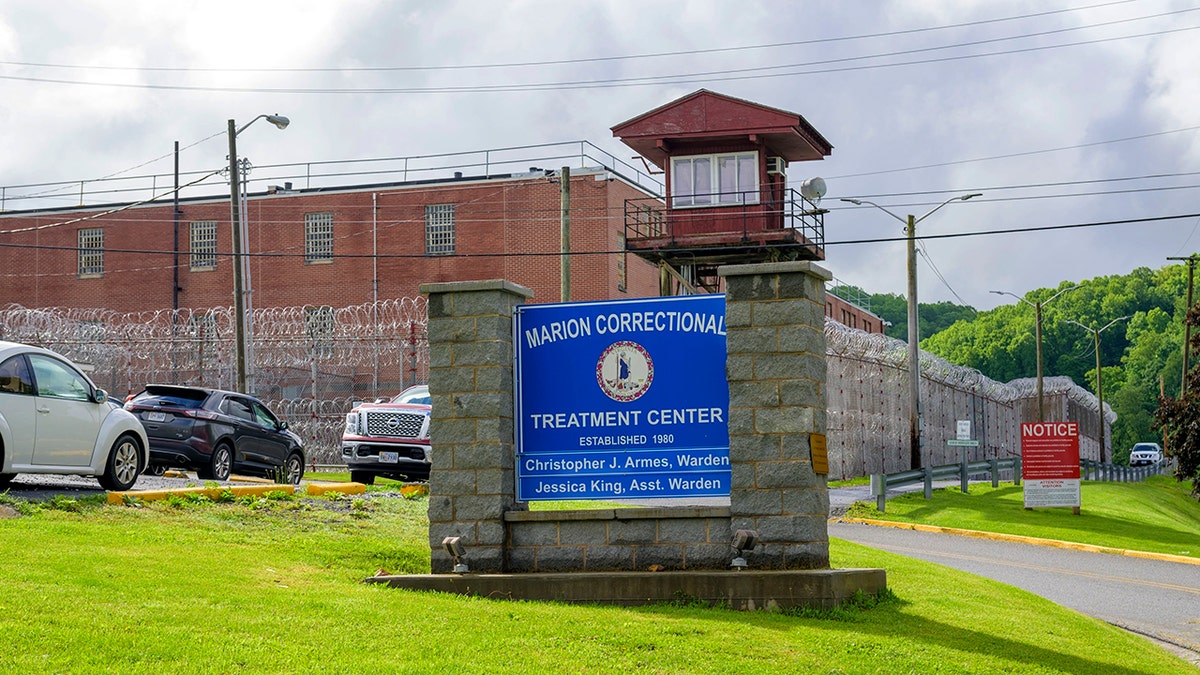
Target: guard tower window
(714, 180)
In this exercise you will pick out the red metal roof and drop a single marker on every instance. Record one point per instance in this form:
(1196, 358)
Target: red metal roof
(705, 117)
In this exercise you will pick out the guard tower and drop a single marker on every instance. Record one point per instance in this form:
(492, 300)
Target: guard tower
(727, 199)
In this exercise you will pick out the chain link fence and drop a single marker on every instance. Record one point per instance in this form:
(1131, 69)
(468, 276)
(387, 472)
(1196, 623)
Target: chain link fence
(309, 363)
(312, 363)
(868, 417)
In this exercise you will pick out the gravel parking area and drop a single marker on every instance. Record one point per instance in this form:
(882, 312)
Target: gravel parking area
(46, 486)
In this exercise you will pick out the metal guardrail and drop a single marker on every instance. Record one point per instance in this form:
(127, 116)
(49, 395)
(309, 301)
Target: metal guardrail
(1089, 469)
(1116, 473)
(880, 482)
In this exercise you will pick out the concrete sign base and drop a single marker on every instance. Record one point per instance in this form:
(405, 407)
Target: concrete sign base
(741, 590)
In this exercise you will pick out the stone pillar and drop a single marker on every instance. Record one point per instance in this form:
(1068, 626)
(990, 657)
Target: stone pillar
(775, 322)
(472, 482)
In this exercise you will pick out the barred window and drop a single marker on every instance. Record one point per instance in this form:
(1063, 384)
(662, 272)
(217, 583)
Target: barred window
(318, 237)
(319, 323)
(204, 245)
(91, 252)
(439, 229)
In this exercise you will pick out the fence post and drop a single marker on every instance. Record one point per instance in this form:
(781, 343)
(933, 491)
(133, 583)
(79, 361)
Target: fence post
(994, 468)
(962, 472)
(928, 482)
(879, 490)
(1016, 471)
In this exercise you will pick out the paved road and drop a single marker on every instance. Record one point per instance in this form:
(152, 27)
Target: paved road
(1155, 598)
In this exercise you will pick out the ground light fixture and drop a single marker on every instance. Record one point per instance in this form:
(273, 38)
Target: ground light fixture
(743, 540)
(454, 548)
(914, 334)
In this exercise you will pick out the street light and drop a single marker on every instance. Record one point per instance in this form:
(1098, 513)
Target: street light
(914, 337)
(1099, 381)
(1037, 306)
(243, 321)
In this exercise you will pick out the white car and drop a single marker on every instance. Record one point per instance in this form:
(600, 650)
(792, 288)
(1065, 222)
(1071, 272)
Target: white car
(1145, 454)
(53, 419)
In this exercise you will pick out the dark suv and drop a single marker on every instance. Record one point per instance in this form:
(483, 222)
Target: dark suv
(215, 433)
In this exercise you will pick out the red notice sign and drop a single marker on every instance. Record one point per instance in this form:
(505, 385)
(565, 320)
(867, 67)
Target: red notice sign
(1050, 463)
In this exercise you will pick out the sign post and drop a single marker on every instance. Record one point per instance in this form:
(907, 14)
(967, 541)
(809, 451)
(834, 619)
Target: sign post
(622, 399)
(1050, 464)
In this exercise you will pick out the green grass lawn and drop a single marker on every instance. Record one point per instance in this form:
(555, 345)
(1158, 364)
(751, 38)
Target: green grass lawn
(1156, 515)
(274, 585)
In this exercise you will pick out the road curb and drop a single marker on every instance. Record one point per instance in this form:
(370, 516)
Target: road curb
(258, 489)
(1035, 541)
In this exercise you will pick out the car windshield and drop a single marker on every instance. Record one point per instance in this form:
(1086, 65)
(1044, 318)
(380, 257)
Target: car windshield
(418, 395)
(1144, 447)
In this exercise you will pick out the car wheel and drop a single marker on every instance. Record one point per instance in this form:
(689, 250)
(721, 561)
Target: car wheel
(6, 478)
(220, 466)
(294, 468)
(123, 465)
(364, 477)
(156, 470)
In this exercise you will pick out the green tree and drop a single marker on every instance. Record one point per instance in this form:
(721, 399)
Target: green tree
(1179, 418)
(1001, 343)
(934, 317)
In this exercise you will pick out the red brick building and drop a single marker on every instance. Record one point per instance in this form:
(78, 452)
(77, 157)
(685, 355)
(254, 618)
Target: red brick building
(851, 315)
(329, 246)
(340, 245)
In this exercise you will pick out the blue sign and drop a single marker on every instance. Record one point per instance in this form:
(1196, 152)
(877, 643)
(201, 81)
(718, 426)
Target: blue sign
(622, 399)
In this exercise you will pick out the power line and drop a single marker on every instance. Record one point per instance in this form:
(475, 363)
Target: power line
(936, 271)
(1019, 154)
(1015, 230)
(555, 253)
(656, 80)
(599, 59)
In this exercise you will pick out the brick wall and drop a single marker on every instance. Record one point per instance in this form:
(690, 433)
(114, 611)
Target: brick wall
(504, 228)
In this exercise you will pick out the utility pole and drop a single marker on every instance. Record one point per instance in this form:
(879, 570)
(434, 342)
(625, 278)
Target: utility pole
(1187, 326)
(1104, 455)
(1037, 307)
(914, 329)
(175, 272)
(239, 307)
(565, 233)
(914, 349)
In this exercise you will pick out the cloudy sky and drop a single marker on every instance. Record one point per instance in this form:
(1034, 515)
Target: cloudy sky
(1080, 113)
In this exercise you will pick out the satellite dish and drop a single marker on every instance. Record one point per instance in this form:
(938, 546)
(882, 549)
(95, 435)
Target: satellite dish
(813, 189)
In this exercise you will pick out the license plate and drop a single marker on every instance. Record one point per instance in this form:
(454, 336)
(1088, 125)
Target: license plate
(157, 417)
(389, 457)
